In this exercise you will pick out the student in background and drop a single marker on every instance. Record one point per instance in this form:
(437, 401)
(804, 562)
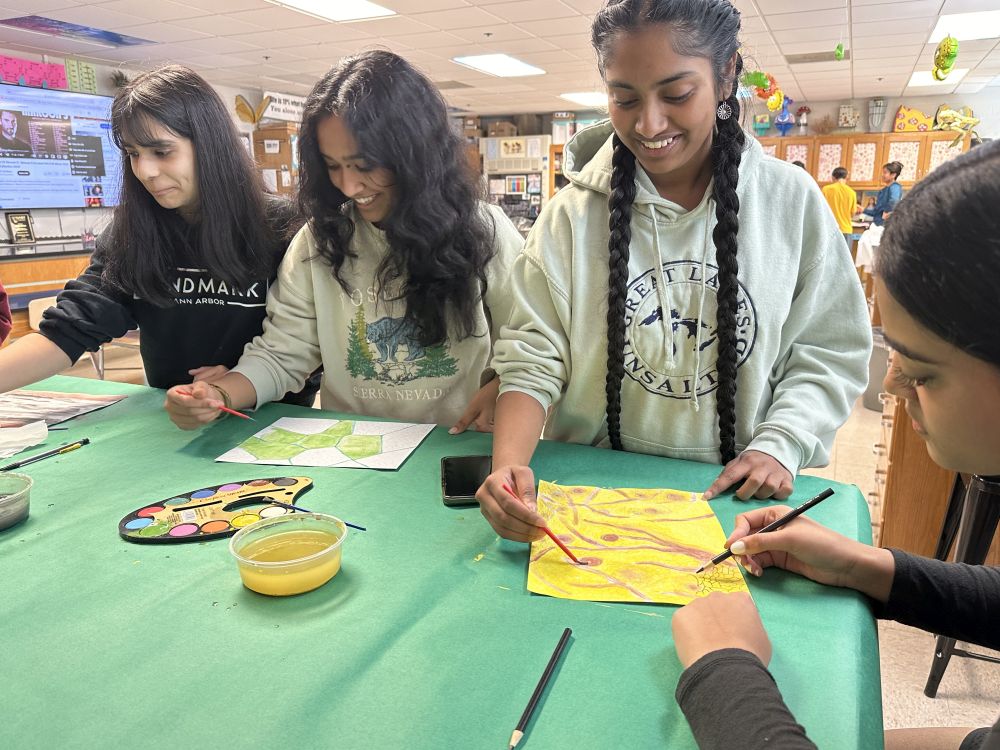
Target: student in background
(885, 202)
(946, 366)
(5, 318)
(398, 282)
(190, 251)
(735, 328)
(843, 202)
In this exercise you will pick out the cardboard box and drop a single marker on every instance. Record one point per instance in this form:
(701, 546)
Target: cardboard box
(503, 129)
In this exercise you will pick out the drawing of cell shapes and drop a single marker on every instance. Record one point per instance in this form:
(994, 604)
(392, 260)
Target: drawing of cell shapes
(264, 450)
(725, 578)
(278, 435)
(341, 429)
(358, 447)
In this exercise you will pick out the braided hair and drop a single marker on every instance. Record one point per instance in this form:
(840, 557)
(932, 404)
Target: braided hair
(705, 28)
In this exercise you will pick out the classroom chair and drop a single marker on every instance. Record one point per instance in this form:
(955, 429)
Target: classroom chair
(973, 514)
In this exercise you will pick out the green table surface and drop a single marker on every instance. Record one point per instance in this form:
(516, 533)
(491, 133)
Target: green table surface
(427, 638)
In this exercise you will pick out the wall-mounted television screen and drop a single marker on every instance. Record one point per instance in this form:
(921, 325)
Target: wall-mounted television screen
(56, 149)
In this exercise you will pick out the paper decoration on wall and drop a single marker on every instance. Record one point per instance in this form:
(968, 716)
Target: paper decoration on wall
(247, 113)
(960, 121)
(30, 73)
(641, 545)
(80, 76)
(354, 444)
(944, 58)
(911, 120)
(848, 116)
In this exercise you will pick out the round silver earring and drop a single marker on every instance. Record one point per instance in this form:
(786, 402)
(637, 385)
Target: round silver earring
(725, 111)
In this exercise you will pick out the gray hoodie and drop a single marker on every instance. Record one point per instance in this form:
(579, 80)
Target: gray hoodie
(803, 333)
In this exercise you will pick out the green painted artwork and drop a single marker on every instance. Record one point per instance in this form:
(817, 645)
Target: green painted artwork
(346, 443)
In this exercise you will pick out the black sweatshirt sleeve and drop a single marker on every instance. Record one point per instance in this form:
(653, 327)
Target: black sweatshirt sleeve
(950, 599)
(706, 692)
(87, 313)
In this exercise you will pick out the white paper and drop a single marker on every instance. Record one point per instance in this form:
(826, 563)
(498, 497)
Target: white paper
(16, 439)
(270, 179)
(271, 147)
(343, 443)
(286, 178)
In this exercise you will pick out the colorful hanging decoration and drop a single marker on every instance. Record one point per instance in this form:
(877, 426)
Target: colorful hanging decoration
(785, 120)
(775, 100)
(763, 84)
(944, 58)
(803, 114)
(838, 51)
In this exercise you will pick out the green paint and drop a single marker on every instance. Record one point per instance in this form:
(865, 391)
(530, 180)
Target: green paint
(360, 446)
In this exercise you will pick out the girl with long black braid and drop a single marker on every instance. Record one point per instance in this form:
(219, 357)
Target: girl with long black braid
(736, 331)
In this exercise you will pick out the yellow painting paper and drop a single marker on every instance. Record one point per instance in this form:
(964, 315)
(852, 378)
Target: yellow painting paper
(641, 545)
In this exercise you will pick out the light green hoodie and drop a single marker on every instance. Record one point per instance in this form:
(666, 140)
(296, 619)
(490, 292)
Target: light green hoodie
(803, 333)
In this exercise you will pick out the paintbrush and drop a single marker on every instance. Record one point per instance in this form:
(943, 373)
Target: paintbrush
(222, 408)
(548, 531)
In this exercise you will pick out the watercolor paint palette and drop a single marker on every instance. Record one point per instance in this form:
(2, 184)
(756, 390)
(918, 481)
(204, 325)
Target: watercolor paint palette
(211, 512)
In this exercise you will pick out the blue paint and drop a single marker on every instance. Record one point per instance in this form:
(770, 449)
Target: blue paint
(138, 523)
(201, 494)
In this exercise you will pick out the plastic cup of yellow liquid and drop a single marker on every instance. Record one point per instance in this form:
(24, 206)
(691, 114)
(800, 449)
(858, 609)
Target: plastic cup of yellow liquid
(14, 494)
(289, 554)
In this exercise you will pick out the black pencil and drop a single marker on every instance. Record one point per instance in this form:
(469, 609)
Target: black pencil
(522, 725)
(54, 452)
(794, 513)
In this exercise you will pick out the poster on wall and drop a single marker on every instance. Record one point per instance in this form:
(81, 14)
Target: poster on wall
(284, 107)
(516, 184)
(497, 186)
(511, 148)
(534, 184)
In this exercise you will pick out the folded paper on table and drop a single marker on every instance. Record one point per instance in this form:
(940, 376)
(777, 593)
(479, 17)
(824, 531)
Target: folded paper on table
(13, 440)
(640, 545)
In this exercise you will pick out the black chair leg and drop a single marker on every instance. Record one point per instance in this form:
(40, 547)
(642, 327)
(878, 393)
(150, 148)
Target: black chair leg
(979, 523)
(949, 527)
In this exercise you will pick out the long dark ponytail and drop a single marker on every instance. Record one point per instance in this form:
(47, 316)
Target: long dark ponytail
(705, 28)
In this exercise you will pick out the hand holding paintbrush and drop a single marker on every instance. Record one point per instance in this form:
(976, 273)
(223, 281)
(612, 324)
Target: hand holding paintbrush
(196, 404)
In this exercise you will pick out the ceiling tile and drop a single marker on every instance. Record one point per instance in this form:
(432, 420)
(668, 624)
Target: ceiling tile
(164, 32)
(459, 18)
(824, 18)
(161, 10)
(900, 26)
(531, 10)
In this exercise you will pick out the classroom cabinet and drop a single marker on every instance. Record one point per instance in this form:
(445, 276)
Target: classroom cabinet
(863, 154)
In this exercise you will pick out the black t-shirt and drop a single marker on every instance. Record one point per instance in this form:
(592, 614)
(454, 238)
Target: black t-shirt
(208, 323)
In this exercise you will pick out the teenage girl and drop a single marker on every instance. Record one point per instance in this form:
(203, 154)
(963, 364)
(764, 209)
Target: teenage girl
(939, 315)
(191, 249)
(729, 325)
(396, 284)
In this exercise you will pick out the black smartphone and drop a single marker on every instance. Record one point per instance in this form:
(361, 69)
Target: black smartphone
(461, 476)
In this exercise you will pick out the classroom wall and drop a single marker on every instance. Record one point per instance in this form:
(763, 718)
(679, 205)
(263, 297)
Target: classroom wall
(70, 222)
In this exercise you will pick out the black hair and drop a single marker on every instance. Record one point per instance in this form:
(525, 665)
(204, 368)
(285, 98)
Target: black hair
(703, 28)
(940, 254)
(894, 168)
(439, 236)
(231, 236)
(840, 173)
(800, 164)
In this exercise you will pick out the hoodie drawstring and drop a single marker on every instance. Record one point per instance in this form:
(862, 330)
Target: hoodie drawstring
(661, 292)
(701, 307)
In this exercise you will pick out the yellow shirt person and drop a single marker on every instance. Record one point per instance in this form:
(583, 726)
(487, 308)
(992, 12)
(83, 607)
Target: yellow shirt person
(842, 199)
